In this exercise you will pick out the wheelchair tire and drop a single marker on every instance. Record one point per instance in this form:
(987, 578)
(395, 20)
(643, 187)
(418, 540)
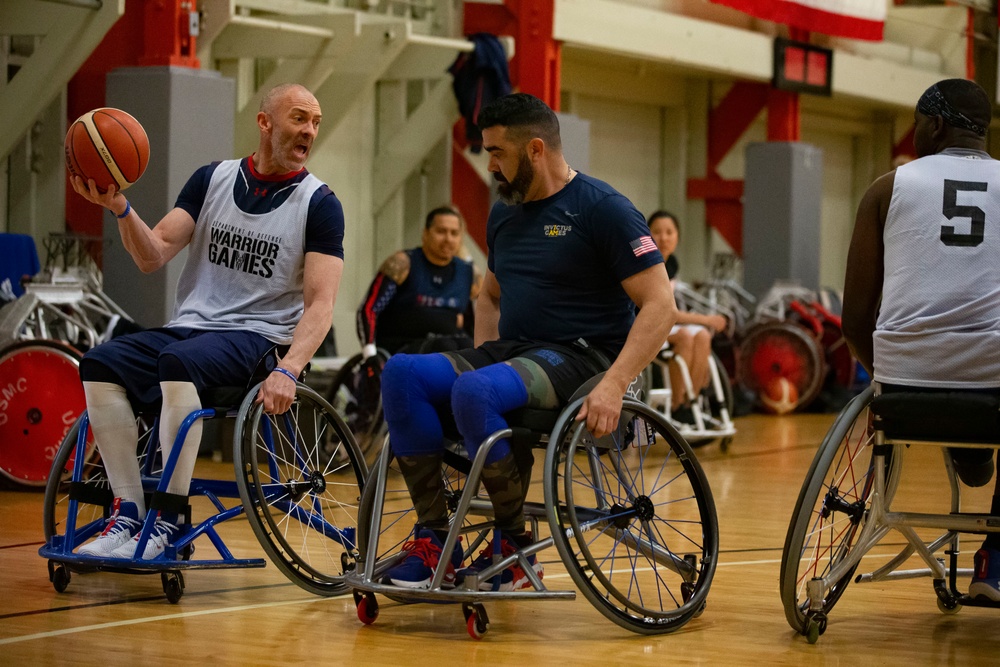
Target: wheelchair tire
(729, 399)
(301, 502)
(43, 396)
(93, 485)
(356, 395)
(828, 517)
(633, 519)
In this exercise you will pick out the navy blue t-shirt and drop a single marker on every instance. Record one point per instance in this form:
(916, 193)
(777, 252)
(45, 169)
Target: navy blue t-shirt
(560, 263)
(256, 194)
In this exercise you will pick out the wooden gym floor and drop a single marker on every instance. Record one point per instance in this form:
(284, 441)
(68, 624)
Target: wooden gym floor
(256, 617)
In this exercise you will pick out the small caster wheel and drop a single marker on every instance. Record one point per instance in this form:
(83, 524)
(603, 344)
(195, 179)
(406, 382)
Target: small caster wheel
(367, 608)
(59, 575)
(724, 445)
(945, 607)
(815, 626)
(477, 622)
(173, 586)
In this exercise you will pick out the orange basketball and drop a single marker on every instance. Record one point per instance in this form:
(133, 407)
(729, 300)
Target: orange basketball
(780, 396)
(109, 146)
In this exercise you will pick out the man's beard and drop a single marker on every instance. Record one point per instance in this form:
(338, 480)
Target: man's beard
(512, 193)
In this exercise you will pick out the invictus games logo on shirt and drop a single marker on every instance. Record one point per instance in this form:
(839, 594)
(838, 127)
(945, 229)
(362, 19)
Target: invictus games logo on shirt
(557, 230)
(244, 251)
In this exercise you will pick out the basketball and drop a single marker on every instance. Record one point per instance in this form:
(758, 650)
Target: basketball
(109, 146)
(780, 396)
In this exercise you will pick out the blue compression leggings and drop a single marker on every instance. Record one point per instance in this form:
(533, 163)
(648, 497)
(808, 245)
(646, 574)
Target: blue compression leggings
(415, 386)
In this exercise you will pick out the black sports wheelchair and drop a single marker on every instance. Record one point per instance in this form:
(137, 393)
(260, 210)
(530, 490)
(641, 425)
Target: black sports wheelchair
(845, 508)
(630, 515)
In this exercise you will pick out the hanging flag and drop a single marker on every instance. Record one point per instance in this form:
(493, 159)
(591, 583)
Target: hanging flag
(858, 19)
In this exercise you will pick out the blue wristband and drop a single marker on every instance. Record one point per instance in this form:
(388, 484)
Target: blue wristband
(128, 209)
(287, 374)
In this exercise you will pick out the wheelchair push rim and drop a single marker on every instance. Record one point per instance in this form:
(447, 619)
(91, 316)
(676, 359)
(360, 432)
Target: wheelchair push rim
(633, 519)
(300, 494)
(831, 511)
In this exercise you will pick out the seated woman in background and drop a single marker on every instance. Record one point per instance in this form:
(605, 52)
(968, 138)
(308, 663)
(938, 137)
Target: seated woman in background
(691, 337)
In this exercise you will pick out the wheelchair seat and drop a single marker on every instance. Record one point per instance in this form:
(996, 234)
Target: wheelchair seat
(935, 415)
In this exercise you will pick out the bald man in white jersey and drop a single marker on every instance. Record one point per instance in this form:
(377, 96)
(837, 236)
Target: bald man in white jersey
(922, 291)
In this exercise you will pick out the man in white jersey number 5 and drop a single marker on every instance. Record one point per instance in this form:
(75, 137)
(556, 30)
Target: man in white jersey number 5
(265, 257)
(922, 291)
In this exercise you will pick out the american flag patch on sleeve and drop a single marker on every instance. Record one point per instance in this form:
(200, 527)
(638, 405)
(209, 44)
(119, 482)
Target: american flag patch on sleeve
(643, 245)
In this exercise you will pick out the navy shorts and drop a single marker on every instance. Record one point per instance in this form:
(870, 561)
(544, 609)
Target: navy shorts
(567, 367)
(210, 358)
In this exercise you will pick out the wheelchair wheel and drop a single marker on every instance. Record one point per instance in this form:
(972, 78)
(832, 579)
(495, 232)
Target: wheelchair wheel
(831, 511)
(301, 502)
(92, 490)
(356, 395)
(633, 519)
(42, 396)
(714, 406)
(775, 350)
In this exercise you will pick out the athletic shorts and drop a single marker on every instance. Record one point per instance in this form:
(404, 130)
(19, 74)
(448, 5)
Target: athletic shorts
(567, 367)
(211, 358)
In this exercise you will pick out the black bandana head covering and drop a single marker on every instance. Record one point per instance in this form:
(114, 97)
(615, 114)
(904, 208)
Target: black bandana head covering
(933, 103)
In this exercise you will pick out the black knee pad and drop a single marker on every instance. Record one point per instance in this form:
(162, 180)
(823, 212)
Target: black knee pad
(171, 369)
(95, 371)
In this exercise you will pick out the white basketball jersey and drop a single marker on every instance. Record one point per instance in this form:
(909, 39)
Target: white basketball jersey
(939, 322)
(245, 271)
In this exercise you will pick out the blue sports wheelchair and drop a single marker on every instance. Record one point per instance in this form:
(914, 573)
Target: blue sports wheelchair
(298, 479)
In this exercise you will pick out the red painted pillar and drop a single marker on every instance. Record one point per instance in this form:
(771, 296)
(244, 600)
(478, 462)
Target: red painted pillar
(167, 33)
(783, 117)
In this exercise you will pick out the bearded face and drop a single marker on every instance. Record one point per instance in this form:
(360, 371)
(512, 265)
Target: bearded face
(513, 191)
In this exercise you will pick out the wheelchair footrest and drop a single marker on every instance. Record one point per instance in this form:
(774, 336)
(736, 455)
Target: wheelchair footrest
(978, 601)
(94, 563)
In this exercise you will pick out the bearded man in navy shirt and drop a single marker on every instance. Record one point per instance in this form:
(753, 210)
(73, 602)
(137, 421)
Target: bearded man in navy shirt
(570, 259)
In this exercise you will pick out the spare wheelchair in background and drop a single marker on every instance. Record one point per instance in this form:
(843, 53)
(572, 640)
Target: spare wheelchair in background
(711, 408)
(631, 516)
(301, 502)
(845, 507)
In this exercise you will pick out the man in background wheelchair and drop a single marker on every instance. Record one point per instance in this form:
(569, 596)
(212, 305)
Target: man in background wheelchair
(420, 298)
(922, 297)
(235, 307)
(568, 258)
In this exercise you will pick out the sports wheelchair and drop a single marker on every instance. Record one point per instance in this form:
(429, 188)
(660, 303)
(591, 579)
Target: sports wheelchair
(844, 509)
(711, 408)
(300, 503)
(631, 516)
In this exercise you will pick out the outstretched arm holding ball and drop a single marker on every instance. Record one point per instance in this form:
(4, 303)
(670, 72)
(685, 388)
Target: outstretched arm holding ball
(150, 248)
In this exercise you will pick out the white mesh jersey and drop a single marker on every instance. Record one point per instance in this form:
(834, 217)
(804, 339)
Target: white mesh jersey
(939, 322)
(244, 272)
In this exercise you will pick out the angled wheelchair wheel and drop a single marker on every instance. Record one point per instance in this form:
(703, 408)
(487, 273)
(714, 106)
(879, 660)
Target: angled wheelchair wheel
(356, 395)
(300, 476)
(831, 511)
(633, 519)
(91, 489)
(42, 396)
(728, 402)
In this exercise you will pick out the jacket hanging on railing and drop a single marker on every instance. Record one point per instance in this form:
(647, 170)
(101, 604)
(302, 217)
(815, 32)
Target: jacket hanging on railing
(480, 77)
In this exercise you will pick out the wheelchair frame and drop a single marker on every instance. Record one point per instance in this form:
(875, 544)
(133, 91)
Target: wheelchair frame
(284, 450)
(868, 501)
(564, 519)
